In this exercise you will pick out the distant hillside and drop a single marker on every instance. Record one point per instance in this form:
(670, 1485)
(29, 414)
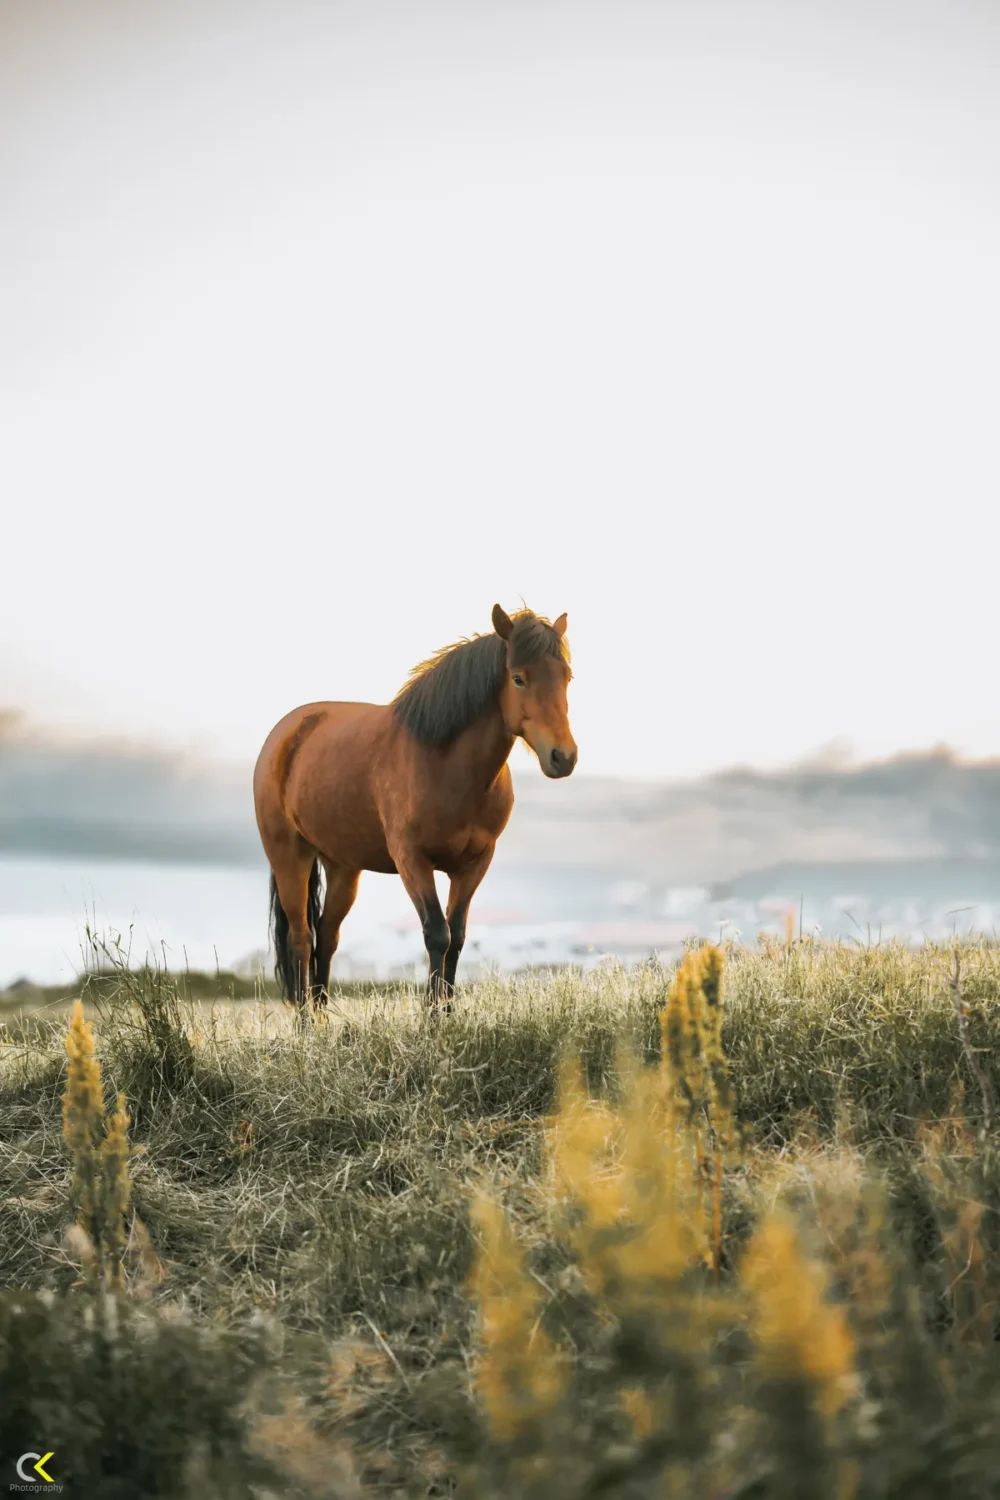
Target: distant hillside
(877, 881)
(64, 797)
(922, 806)
(119, 801)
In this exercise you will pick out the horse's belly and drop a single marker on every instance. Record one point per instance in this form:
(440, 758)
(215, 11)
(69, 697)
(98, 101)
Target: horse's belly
(337, 817)
(357, 841)
(380, 862)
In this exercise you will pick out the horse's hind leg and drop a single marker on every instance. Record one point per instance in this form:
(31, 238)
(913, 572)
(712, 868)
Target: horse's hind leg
(341, 890)
(291, 866)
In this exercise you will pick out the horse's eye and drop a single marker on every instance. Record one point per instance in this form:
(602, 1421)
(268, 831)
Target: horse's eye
(518, 679)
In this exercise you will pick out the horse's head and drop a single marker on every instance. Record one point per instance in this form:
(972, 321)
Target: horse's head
(533, 696)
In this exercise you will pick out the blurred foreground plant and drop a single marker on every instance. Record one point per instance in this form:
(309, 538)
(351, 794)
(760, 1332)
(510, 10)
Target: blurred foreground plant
(640, 1357)
(636, 1397)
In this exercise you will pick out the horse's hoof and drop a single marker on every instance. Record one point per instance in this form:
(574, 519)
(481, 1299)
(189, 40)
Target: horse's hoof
(437, 1005)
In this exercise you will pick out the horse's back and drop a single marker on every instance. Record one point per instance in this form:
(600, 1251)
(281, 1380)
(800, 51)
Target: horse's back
(291, 734)
(350, 782)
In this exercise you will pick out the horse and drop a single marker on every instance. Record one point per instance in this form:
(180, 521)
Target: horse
(409, 787)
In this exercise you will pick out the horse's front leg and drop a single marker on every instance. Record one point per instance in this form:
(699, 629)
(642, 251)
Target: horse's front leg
(417, 875)
(463, 887)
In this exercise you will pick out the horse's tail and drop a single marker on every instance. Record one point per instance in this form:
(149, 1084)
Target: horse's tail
(286, 965)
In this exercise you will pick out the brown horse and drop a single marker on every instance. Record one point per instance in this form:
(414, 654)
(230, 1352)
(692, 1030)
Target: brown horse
(410, 787)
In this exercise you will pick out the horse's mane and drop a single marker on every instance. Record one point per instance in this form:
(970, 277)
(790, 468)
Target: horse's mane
(452, 689)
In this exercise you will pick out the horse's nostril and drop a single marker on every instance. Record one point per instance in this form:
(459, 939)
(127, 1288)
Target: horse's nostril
(557, 760)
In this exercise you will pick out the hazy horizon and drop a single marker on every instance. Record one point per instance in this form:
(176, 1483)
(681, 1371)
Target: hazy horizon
(116, 747)
(164, 847)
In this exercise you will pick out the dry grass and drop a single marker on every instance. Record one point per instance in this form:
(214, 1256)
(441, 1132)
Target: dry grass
(308, 1209)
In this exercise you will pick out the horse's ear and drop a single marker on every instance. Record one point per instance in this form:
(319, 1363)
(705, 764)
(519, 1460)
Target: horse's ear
(502, 622)
(559, 626)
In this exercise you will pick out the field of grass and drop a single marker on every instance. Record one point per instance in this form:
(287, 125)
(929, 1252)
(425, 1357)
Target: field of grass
(401, 1254)
(197, 990)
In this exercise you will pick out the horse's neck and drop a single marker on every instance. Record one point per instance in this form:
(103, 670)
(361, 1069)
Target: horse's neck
(485, 747)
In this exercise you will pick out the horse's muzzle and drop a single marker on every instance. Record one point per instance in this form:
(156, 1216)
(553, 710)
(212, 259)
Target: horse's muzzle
(560, 762)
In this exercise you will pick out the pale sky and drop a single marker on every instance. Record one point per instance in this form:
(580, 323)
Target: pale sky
(323, 326)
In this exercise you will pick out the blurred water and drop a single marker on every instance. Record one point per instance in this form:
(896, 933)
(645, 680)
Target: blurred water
(201, 914)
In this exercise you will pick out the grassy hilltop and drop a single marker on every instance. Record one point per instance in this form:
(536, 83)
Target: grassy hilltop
(396, 1254)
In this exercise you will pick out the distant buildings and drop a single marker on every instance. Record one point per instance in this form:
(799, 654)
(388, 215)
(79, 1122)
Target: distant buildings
(641, 922)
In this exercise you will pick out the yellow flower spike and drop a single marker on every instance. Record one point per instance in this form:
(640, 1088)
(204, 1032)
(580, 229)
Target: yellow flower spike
(684, 1027)
(672, 1022)
(579, 1138)
(639, 1409)
(83, 1129)
(694, 1027)
(117, 1187)
(660, 1203)
(517, 1375)
(101, 1186)
(581, 1141)
(711, 963)
(798, 1333)
(83, 1103)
